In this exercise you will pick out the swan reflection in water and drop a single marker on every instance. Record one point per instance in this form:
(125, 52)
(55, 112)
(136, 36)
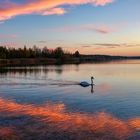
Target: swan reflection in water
(92, 88)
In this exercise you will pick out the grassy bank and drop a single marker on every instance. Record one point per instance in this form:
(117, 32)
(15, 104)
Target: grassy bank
(36, 61)
(55, 61)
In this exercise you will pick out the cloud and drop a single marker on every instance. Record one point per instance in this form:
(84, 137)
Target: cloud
(42, 41)
(123, 45)
(86, 46)
(42, 7)
(103, 29)
(10, 36)
(54, 11)
(109, 45)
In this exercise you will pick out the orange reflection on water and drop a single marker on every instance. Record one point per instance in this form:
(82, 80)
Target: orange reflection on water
(7, 133)
(135, 123)
(103, 88)
(51, 118)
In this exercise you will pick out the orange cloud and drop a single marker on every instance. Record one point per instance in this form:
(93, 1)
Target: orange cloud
(53, 119)
(42, 7)
(57, 11)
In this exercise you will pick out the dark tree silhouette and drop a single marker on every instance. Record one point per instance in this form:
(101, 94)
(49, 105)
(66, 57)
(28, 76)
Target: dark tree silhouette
(35, 52)
(77, 54)
(3, 52)
(58, 52)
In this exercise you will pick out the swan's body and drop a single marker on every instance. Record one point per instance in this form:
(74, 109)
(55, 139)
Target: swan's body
(86, 84)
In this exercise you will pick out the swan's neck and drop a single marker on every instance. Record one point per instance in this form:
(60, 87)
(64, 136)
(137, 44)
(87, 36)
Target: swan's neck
(91, 81)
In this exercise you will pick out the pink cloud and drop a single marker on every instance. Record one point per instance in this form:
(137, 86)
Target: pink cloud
(42, 7)
(103, 29)
(10, 36)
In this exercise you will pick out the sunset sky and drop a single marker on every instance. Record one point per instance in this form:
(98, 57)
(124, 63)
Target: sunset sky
(90, 26)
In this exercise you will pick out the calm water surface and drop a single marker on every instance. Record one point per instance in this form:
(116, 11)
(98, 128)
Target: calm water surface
(46, 102)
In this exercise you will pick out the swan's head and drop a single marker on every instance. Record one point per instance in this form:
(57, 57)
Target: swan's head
(92, 78)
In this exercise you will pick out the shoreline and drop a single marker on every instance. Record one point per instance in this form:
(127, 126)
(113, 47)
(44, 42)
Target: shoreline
(53, 61)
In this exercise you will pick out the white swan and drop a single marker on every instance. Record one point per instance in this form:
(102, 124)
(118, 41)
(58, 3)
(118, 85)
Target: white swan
(86, 84)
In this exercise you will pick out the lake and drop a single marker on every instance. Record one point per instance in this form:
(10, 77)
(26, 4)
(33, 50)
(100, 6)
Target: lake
(47, 102)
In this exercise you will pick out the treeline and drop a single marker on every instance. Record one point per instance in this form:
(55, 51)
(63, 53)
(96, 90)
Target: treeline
(35, 52)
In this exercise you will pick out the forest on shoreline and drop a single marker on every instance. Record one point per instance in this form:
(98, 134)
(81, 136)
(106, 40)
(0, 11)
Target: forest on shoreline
(45, 56)
(35, 52)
